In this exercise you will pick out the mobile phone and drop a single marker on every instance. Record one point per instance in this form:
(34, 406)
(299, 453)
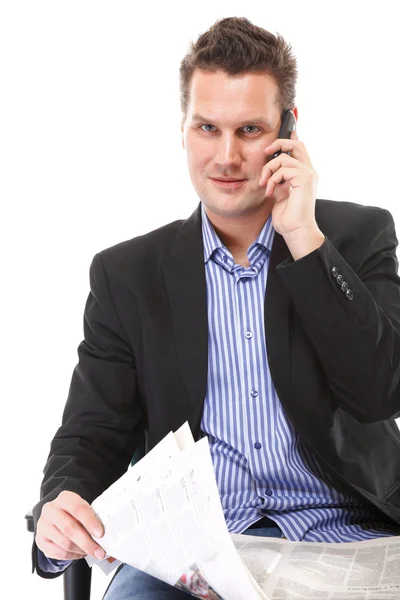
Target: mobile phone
(288, 125)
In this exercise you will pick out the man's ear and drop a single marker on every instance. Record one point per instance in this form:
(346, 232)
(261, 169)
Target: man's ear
(183, 136)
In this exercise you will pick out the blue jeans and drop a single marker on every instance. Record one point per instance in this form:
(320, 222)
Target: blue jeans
(129, 583)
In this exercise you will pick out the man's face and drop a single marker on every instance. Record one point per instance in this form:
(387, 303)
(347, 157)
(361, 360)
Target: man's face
(229, 123)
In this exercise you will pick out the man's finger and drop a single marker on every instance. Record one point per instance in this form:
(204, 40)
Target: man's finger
(69, 527)
(82, 511)
(60, 540)
(51, 550)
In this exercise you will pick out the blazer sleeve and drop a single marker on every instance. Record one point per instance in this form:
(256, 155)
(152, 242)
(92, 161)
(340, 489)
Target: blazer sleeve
(102, 421)
(355, 328)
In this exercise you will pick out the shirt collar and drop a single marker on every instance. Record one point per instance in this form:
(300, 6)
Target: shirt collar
(211, 240)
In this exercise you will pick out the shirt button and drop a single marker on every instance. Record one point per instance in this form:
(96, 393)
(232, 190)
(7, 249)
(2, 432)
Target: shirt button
(249, 334)
(268, 492)
(254, 393)
(224, 258)
(257, 445)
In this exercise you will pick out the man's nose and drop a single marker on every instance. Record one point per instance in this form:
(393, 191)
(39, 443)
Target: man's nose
(228, 151)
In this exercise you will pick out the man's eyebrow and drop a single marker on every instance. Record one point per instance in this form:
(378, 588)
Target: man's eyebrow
(197, 117)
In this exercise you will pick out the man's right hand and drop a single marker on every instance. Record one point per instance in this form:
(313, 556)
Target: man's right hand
(65, 528)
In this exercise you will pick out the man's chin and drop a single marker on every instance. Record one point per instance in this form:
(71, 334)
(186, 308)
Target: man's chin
(238, 209)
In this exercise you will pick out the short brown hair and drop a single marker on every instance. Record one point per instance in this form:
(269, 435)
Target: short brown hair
(235, 45)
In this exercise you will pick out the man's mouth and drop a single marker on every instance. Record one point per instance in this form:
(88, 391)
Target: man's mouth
(229, 178)
(229, 183)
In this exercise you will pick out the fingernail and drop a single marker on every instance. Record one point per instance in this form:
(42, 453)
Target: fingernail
(97, 532)
(100, 554)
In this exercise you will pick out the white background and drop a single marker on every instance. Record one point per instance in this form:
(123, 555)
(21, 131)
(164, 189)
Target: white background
(91, 155)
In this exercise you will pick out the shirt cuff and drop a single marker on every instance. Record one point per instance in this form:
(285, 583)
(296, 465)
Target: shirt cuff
(51, 565)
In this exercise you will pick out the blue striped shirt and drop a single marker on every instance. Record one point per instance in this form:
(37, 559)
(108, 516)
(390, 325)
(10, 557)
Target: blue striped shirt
(261, 466)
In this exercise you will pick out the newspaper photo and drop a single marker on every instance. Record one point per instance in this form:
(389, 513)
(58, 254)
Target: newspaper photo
(164, 517)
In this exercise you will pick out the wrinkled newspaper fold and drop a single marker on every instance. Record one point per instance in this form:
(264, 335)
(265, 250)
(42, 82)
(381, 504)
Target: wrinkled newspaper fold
(164, 517)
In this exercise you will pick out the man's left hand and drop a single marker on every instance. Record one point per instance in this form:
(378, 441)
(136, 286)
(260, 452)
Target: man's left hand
(293, 213)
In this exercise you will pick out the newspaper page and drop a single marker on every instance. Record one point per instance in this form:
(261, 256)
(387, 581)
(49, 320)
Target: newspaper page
(110, 505)
(164, 517)
(367, 570)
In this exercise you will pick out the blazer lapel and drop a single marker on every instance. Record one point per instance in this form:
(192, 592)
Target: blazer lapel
(184, 275)
(277, 306)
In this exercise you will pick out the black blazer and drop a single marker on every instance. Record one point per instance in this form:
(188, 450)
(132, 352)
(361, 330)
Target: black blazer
(332, 321)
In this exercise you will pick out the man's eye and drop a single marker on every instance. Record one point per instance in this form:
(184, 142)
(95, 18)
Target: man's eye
(206, 125)
(251, 126)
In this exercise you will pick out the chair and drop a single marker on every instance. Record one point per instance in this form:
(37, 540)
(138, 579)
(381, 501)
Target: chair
(77, 579)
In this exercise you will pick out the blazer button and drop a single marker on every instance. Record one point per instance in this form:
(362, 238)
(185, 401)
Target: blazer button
(344, 286)
(349, 294)
(334, 272)
(339, 279)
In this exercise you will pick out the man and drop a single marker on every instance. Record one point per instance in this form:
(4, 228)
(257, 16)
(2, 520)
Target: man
(269, 320)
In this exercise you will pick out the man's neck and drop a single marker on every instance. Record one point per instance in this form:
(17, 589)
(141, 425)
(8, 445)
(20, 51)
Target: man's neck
(238, 233)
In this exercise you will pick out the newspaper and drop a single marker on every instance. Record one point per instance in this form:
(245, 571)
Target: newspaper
(327, 571)
(164, 517)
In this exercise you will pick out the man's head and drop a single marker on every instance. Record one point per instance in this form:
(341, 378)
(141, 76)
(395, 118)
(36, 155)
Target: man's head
(236, 81)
